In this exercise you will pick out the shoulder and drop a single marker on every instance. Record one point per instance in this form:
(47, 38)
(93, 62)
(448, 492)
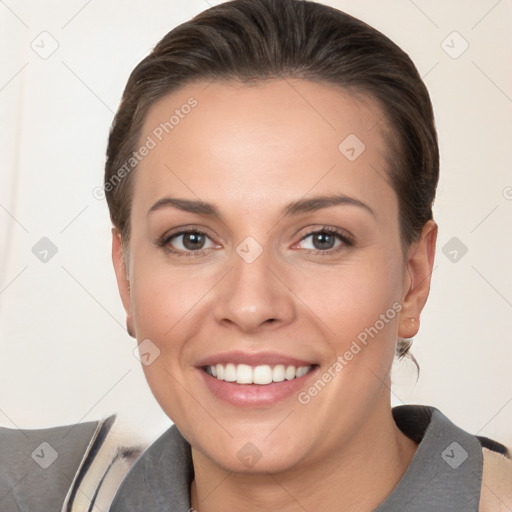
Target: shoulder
(161, 475)
(31, 459)
(490, 469)
(82, 464)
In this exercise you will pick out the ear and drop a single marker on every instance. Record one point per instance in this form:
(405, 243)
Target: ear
(123, 282)
(420, 262)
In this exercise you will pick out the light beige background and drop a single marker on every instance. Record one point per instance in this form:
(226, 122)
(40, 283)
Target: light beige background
(64, 353)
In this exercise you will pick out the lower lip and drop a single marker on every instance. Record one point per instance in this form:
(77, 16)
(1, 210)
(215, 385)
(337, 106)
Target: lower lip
(255, 395)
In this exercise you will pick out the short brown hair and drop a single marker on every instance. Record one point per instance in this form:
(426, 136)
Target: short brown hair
(254, 40)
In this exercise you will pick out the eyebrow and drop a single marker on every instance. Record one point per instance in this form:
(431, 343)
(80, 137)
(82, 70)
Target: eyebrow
(320, 202)
(186, 205)
(294, 208)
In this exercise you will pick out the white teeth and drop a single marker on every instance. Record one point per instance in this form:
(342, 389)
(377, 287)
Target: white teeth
(244, 374)
(278, 373)
(263, 374)
(290, 373)
(302, 371)
(230, 373)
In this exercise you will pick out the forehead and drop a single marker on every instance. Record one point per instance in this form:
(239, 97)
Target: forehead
(262, 142)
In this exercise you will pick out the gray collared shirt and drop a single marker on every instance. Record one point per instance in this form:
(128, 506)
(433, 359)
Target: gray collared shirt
(444, 475)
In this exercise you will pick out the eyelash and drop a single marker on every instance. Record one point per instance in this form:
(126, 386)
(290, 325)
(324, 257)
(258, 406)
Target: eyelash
(165, 240)
(347, 240)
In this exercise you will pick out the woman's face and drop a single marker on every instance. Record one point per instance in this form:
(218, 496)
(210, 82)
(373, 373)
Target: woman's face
(264, 246)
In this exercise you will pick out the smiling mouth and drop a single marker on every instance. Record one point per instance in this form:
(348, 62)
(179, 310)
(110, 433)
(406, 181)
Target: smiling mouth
(260, 375)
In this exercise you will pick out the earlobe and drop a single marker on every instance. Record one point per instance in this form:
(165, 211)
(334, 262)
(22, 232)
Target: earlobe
(420, 262)
(123, 281)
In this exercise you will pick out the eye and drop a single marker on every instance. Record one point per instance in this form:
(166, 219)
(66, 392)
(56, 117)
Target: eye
(189, 243)
(326, 240)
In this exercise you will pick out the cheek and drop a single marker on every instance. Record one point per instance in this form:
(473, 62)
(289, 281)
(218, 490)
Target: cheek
(353, 297)
(170, 307)
(164, 306)
(360, 305)
(163, 300)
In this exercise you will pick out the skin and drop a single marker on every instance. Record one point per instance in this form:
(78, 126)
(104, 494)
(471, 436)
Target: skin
(250, 151)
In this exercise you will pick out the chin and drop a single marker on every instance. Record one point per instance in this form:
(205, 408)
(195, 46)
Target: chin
(251, 460)
(251, 450)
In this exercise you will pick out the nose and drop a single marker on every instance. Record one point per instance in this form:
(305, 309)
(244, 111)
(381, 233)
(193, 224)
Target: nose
(254, 295)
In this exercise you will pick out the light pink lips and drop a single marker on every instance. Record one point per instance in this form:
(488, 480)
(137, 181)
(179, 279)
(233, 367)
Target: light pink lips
(254, 395)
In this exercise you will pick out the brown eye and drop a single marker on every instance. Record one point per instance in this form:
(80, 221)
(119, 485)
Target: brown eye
(193, 241)
(187, 242)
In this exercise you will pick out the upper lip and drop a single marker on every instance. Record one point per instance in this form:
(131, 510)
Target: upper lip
(253, 359)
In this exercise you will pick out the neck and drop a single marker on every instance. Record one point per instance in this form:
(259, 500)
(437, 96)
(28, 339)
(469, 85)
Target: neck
(359, 477)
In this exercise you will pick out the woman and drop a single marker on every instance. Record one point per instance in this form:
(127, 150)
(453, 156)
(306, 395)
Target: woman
(270, 177)
(273, 240)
